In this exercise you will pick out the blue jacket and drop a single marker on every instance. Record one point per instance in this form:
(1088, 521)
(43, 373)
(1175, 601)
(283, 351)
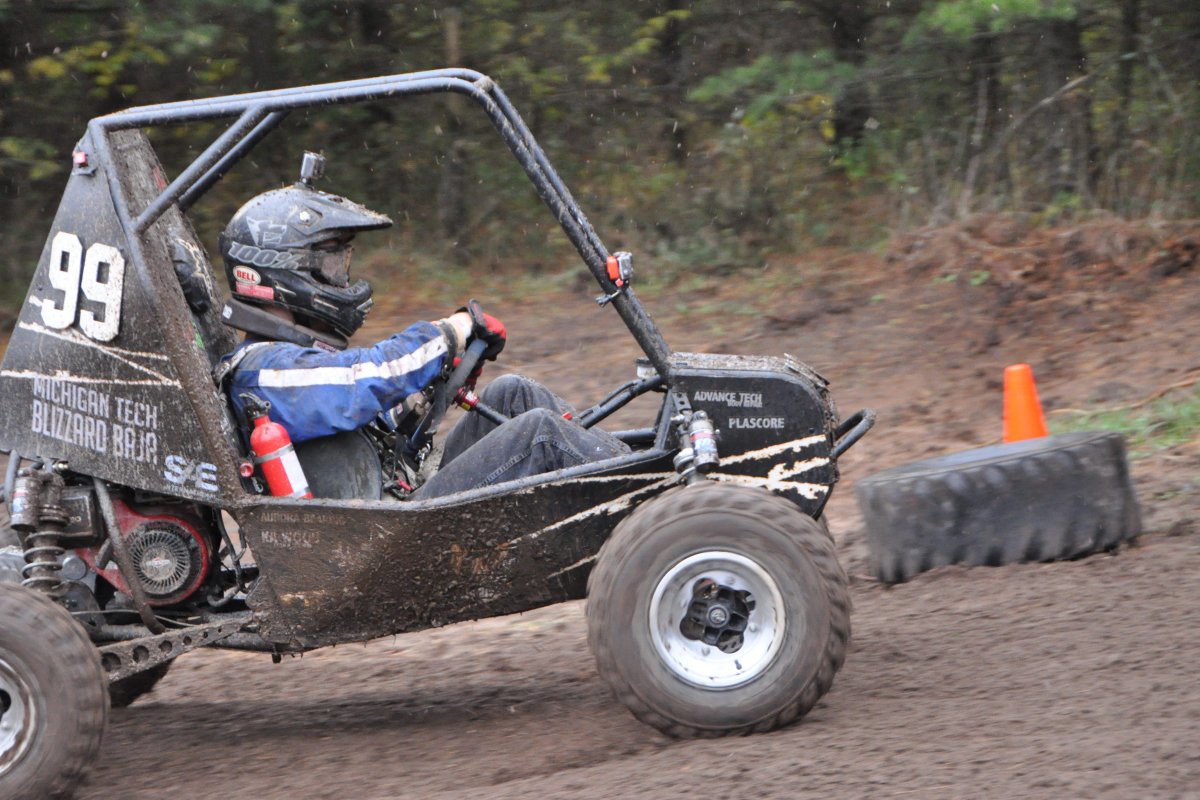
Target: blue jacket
(316, 393)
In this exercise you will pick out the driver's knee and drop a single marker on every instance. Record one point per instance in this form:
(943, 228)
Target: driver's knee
(503, 387)
(513, 395)
(546, 427)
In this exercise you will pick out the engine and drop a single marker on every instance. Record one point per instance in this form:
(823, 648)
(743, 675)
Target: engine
(170, 554)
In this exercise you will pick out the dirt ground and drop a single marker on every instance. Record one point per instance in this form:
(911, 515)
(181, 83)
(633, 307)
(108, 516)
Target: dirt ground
(1058, 680)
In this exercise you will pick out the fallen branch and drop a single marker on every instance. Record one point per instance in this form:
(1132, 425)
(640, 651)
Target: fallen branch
(1189, 381)
(1050, 99)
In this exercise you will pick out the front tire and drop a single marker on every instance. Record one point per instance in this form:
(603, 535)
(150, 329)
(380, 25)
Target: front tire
(53, 698)
(718, 609)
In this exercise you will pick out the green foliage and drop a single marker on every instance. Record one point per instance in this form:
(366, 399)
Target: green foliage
(1063, 206)
(107, 66)
(704, 135)
(964, 18)
(1166, 423)
(602, 63)
(34, 156)
(803, 84)
(976, 277)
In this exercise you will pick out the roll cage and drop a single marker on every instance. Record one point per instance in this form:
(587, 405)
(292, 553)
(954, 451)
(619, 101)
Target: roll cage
(109, 376)
(259, 113)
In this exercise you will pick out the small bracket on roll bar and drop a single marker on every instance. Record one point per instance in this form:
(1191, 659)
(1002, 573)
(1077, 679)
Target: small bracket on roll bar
(851, 429)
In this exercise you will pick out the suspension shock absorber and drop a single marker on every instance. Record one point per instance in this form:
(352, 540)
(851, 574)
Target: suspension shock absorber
(697, 454)
(38, 513)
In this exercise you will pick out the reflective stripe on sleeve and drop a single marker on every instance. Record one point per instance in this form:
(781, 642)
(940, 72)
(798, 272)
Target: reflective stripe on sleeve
(348, 376)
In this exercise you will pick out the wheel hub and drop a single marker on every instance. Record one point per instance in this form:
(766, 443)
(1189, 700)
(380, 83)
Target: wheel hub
(718, 615)
(18, 716)
(717, 619)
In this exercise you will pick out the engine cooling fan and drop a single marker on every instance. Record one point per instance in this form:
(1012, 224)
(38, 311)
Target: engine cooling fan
(170, 552)
(166, 558)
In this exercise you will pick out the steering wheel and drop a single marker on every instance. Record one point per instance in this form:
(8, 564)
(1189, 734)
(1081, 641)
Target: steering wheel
(444, 395)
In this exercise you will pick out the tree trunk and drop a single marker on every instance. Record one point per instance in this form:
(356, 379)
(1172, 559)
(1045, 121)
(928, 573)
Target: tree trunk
(374, 21)
(1119, 147)
(452, 183)
(1068, 157)
(669, 77)
(848, 24)
(989, 106)
(23, 23)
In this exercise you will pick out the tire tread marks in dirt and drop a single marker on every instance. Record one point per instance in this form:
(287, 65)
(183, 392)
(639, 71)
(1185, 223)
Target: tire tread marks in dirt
(67, 676)
(755, 506)
(1056, 497)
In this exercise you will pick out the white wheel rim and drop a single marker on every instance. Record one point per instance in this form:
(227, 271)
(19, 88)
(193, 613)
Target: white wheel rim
(18, 719)
(703, 664)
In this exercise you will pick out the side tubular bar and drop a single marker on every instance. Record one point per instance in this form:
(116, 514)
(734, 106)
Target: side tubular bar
(851, 429)
(261, 112)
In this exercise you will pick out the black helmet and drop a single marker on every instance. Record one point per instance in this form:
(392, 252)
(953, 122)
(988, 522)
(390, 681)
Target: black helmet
(290, 247)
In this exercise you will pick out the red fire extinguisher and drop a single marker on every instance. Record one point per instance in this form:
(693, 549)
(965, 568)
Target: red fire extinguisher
(273, 452)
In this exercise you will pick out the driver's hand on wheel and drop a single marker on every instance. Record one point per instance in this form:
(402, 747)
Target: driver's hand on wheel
(487, 328)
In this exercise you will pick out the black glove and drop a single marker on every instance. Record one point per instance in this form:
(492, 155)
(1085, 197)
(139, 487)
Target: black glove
(487, 328)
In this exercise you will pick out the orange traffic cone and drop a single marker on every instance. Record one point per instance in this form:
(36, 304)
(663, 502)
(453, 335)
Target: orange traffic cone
(1022, 411)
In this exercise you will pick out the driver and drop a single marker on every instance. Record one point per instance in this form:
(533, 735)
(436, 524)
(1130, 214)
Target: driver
(287, 257)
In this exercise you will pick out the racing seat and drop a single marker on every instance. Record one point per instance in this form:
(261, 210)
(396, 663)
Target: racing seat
(344, 466)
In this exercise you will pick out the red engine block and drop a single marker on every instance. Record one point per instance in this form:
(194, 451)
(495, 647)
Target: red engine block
(171, 556)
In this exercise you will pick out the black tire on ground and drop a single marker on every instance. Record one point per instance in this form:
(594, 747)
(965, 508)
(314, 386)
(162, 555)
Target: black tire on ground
(344, 466)
(125, 692)
(53, 698)
(766, 563)
(10, 565)
(1055, 497)
(8, 537)
(12, 561)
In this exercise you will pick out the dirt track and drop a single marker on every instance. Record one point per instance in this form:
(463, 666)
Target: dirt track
(1064, 680)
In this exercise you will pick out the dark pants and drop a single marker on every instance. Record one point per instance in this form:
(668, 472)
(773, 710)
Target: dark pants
(536, 439)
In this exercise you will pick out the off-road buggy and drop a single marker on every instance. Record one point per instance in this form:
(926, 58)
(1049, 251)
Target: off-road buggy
(715, 601)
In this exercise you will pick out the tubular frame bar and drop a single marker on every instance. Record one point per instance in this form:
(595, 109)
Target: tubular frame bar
(260, 112)
(218, 170)
(206, 161)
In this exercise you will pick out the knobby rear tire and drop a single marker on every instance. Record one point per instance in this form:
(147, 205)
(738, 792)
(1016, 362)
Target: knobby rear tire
(54, 696)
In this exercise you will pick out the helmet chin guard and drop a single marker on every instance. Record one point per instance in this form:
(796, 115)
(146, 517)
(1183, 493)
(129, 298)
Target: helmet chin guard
(290, 248)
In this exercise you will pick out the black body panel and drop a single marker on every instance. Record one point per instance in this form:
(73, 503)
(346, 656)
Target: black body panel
(348, 570)
(138, 408)
(775, 421)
